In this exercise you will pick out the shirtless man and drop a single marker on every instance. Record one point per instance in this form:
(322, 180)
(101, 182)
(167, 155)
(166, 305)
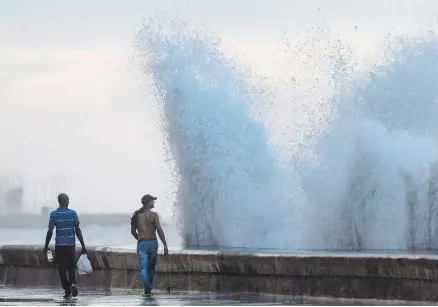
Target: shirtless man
(144, 226)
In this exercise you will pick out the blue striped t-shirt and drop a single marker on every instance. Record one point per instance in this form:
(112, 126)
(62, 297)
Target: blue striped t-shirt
(64, 220)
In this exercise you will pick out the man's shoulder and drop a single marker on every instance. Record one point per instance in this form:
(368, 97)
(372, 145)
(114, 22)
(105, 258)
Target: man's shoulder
(64, 212)
(137, 212)
(150, 213)
(153, 215)
(72, 211)
(68, 211)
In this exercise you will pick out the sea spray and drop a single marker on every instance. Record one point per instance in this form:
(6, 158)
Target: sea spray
(368, 182)
(376, 172)
(230, 186)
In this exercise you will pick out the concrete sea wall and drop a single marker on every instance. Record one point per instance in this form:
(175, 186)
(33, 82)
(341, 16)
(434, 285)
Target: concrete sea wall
(342, 275)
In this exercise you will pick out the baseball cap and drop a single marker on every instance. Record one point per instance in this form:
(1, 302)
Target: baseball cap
(147, 198)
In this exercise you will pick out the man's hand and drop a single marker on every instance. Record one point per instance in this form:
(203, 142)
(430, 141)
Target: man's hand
(166, 251)
(48, 238)
(83, 250)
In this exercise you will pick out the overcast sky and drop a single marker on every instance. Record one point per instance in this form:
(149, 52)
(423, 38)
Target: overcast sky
(73, 115)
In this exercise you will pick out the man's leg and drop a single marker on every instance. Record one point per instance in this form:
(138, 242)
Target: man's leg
(62, 268)
(71, 269)
(152, 263)
(143, 261)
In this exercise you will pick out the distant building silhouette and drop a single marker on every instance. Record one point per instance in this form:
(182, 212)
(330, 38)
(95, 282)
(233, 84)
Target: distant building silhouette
(11, 201)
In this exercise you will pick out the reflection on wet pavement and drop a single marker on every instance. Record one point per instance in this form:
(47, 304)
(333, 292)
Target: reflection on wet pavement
(115, 297)
(44, 296)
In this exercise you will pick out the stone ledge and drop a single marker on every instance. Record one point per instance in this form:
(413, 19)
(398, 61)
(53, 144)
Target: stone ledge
(343, 275)
(310, 264)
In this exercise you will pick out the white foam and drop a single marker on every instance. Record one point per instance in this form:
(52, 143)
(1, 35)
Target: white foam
(367, 183)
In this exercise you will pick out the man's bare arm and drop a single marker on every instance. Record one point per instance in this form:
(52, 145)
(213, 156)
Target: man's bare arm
(161, 233)
(49, 232)
(134, 226)
(48, 238)
(79, 235)
(134, 232)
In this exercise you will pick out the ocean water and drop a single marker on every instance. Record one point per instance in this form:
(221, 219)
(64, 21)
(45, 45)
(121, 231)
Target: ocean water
(94, 235)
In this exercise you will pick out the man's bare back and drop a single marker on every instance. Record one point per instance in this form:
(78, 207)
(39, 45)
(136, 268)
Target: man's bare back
(148, 224)
(145, 224)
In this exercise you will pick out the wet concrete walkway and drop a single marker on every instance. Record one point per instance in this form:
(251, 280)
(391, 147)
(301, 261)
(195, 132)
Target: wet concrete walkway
(13, 296)
(22, 296)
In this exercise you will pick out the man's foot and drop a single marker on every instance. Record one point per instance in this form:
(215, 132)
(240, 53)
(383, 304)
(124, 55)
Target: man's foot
(147, 293)
(74, 290)
(67, 295)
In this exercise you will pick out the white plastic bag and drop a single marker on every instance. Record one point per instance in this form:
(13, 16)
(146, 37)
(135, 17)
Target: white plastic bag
(84, 265)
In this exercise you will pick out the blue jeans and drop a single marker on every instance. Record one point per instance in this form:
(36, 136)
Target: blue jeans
(147, 258)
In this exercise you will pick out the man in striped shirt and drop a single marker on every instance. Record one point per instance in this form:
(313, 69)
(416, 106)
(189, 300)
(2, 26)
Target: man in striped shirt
(66, 222)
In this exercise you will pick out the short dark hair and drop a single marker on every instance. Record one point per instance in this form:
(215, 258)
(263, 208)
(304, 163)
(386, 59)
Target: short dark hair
(62, 198)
